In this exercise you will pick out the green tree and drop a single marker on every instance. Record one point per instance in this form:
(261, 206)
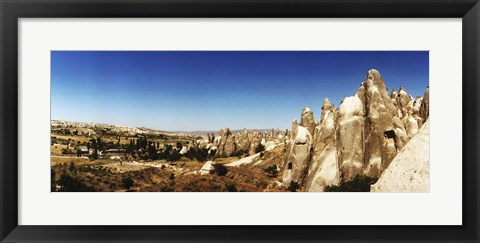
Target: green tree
(259, 148)
(69, 184)
(152, 152)
(190, 154)
(79, 152)
(94, 155)
(179, 145)
(238, 153)
(72, 168)
(173, 156)
(201, 155)
(53, 140)
(212, 153)
(271, 171)
(127, 182)
(219, 169)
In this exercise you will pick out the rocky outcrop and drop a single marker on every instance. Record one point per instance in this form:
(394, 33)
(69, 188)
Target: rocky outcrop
(362, 137)
(401, 138)
(206, 168)
(350, 137)
(225, 137)
(323, 170)
(411, 125)
(403, 101)
(297, 162)
(379, 147)
(424, 110)
(245, 161)
(409, 171)
(183, 150)
(245, 142)
(307, 120)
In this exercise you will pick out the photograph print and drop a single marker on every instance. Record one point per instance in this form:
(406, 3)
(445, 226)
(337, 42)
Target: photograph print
(239, 121)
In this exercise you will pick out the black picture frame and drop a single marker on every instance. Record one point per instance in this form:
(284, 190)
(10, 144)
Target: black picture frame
(12, 10)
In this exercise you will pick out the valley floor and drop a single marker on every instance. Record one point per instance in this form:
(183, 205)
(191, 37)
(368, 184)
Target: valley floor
(243, 174)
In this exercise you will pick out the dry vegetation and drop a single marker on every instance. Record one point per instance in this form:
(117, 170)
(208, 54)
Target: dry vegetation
(134, 169)
(108, 176)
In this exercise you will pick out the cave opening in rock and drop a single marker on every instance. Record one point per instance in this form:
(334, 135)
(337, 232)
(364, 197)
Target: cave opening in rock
(290, 165)
(389, 134)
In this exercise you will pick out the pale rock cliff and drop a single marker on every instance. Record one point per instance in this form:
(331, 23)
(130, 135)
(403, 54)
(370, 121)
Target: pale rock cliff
(307, 120)
(409, 171)
(350, 137)
(362, 137)
(299, 155)
(424, 110)
(379, 148)
(323, 170)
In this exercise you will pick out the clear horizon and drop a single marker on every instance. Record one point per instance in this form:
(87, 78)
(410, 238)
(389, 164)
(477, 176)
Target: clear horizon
(209, 90)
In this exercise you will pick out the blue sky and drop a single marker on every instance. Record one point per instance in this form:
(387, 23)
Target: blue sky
(208, 90)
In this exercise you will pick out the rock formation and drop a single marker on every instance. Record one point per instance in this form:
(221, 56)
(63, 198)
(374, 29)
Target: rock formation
(245, 142)
(299, 155)
(379, 145)
(350, 137)
(402, 101)
(401, 137)
(362, 137)
(324, 170)
(409, 171)
(307, 120)
(424, 107)
(206, 168)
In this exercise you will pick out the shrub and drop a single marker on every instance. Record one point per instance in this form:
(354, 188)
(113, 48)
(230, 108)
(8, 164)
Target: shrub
(127, 183)
(212, 153)
(259, 148)
(221, 155)
(271, 171)
(231, 188)
(201, 155)
(239, 153)
(179, 145)
(360, 183)
(190, 154)
(72, 168)
(174, 155)
(94, 155)
(219, 169)
(294, 186)
(70, 184)
(152, 152)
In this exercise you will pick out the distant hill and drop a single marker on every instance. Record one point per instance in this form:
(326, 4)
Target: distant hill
(216, 132)
(146, 129)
